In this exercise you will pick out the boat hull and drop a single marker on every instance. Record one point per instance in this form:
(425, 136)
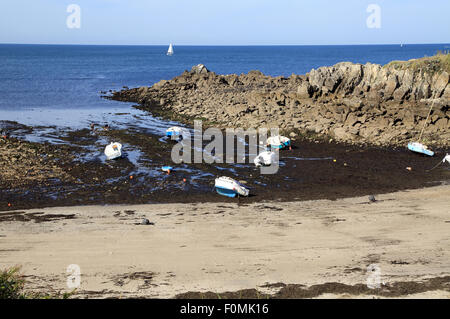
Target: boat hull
(113, 151)
(167, 168)
(419, 148)
(279, 142)
(446, 158)
(175, 133)
(226, 192)
(265, 158)
(282, 145)
(229, 187)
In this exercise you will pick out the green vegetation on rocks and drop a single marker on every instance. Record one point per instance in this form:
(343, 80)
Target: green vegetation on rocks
(436, 63)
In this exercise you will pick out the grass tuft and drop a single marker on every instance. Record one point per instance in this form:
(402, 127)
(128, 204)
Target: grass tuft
(434, 64)
(12, 286)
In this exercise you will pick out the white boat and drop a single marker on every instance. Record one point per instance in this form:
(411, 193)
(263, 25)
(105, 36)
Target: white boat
(170, 51)
(113, 151)
(279, 141)
(176, 133)
(446, 158)
(264, 158)
(420, 148)
(229, 187)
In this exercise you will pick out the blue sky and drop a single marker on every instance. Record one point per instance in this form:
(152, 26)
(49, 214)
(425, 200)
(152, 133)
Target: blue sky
(228, 22)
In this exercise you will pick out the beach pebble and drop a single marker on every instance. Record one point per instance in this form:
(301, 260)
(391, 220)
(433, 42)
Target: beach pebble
(145, 221)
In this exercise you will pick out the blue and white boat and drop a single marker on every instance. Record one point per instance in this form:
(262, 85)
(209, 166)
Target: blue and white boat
(167, 169)
(279, 142)
(420, 148)
(176, 133)
(229, 187)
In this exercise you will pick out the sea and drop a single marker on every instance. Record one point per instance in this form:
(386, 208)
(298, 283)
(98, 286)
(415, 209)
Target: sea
(60, 85)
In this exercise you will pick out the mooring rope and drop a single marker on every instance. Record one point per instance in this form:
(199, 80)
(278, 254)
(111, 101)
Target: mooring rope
(429, 112)
(426, 120)
(442, 161)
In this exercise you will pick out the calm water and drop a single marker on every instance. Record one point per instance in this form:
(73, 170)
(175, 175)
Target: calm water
(38, 82)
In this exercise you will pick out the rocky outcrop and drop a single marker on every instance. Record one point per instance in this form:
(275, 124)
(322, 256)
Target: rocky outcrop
(199, 69)
(374, 104)
(376, 83)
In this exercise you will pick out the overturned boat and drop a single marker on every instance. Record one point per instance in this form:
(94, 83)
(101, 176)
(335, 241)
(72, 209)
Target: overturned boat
(420, 148)
(176, 133)
(113, 151)
(229, 187)
(265, 158)
(279, 142)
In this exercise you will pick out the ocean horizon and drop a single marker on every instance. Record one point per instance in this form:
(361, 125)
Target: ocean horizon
(38, 82)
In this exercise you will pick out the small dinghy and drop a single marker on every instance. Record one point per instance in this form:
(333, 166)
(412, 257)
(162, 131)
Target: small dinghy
(229, 187)
(113, 151)
(175, 133)
(167, 169)
(420, 148)
(446, 158)
(279, 142)
(265, 158)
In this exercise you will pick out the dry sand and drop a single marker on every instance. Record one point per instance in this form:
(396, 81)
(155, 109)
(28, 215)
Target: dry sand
(225, 247)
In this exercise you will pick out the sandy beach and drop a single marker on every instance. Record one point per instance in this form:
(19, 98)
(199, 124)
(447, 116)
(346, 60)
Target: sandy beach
(191, 248)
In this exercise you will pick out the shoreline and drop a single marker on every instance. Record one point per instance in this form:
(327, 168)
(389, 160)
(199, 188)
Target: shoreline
(259, 244)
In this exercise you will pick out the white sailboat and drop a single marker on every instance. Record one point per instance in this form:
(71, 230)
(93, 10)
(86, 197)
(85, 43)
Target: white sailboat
(170, 51)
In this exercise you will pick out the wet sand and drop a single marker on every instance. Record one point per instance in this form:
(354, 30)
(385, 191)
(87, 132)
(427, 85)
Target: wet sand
(190, 249)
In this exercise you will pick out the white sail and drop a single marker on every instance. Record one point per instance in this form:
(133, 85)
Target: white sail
(170, 51)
